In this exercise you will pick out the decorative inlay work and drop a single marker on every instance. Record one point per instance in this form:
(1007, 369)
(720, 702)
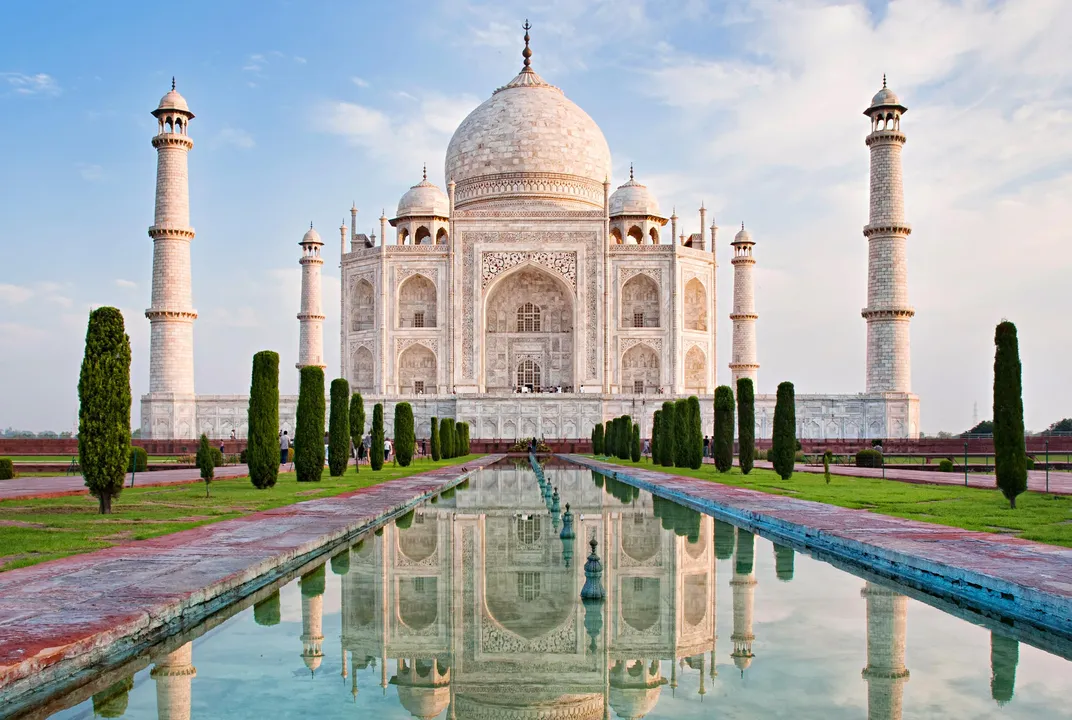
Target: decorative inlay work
(627, 273)
(493, 264)
(525, 210)
(627, 249)
(419, 249)
(402, 273)
(403, 343)
(654, 343)
(552, 186)
(498, 640)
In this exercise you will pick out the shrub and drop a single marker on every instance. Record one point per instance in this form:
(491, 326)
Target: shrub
(434, 441)
(1030, 463)
(946, 465)
(205, 461)
(7, 469)
(625, 437)
(612, 438)
(723, 435)
(784, 436)
(405, 440)
(449, 439)
(667, 435)
(877, 442)
(656, 422)
(262, 451)
(444, 440)
(357, 423)
(243, 456)
(681, 433)
(217, 456)
(339, 428)
(869, 458)
(1010, 455)
(827, 457)
(139, 459)
(597, 439)
(267, 612)
(376, 450)
(695, 438)
(636, 443)
(465, 438)
(104, 407)
(746, 424)
(309, 433)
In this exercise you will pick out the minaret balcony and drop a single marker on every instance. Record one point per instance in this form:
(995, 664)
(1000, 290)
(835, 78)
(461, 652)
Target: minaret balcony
(887, 228)
(172, 140)
(902, 313)
(171, 231)
(885, 137)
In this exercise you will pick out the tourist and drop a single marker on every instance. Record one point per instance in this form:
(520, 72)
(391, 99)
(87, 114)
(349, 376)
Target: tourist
(284, 448)
(647, 448)
(424, 446)
(233, 436)
(706, 446)
(386, 450)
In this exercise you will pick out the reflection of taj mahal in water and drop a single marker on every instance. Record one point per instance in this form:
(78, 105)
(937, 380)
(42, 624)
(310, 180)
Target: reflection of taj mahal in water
(532, 298)
(471, 610)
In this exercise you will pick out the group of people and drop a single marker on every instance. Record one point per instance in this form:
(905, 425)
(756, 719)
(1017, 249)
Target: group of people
(360, 453)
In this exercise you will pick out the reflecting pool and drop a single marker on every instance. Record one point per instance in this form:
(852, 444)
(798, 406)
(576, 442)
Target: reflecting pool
(469, 607)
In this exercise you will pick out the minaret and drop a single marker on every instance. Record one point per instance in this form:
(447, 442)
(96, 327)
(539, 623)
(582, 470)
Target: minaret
(311, 317)
(744, 591)
(171, 314)
(173, 674)
(343, 370)
(889, 363)
(885, 672)
(312, 615)
(744, 363)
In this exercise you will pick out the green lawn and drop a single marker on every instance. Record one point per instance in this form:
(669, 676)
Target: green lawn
(1045, 518)
(33, 531)
(67, 458)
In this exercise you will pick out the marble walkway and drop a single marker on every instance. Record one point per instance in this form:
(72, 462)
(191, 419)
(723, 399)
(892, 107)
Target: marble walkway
(64, 616)
(59, 485)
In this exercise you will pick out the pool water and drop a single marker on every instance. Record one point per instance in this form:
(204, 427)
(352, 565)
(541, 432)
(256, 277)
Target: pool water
(470, 608)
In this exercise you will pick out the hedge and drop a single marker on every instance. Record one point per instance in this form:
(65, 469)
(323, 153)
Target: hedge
(871, 458)
(139, 459)
(946, 466)
(376, 449)
(339, 428)
(444, 438)
(7, 469)
(746, 424)
(262, 447)
(405, 439)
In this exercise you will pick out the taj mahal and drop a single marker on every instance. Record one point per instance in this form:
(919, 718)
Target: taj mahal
(530, 297)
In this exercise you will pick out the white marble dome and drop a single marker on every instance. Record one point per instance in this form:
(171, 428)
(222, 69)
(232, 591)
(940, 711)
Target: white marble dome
(528, 127)
(424, 702)
(885, 97)
(742, 237)
(311, 237)
(634, 703)
(173, 101)
(632, 198)
(424, 198)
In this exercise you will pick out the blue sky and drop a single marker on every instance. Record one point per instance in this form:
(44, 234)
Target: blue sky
(751, 106)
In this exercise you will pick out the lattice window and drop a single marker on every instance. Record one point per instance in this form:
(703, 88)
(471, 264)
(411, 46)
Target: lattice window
(529, 530)
(528, 374)
(528, 585)
(638, 319)
(638, 387)
(528, 318)
(418, 319)
(418, 585)
(418, 387)
(638, 584)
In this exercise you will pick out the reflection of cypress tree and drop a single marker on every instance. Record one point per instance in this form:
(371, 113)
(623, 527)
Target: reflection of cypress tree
(404, 521)
(783, 562)
(1004, 655)
(266, 612)
(112, 701)
(725, 540)
(746, 551)
(340, 564)
(312, 582)
(597, 479)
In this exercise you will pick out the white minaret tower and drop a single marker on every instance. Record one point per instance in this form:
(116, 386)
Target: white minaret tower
(171, 314)
(174, 673)
(889, 363)
(312, 637)
(744, 594)
(744, 362)
(311, 317)
(885, 673)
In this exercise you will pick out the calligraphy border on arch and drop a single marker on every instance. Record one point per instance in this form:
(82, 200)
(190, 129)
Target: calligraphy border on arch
(494, 263)
(625, 274)
(430, 343)
(403, 273)
(626, 344)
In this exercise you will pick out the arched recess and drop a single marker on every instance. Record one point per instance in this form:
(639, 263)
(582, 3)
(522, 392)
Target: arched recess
(640, 369)
(403, 236)
(643, 538)
(423, 236)
(419, 541)
(640, 602)
(696, 370)
(441, 237)
(640, 302)
(695, 590)
(653, 236)
(363, 307)
(417, 303)
(363, 369)
(636, 236)
(616, 236)
(418, 601)
(695, 305)
(518, 295)
(417, 370)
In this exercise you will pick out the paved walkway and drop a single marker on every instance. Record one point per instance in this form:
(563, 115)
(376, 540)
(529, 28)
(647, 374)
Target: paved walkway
(59, 485)
(1003, 575)
(59, 617)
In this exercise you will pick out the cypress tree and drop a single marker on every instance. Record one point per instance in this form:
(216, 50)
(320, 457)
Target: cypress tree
(313, 583)
(667, 439)
(783, 450)
(681, 433)
(339, 428)
(746, 424)
(465, 438)
(262, 448)
(1004, 656)
(615, 450)
(783, 562)
(636, 443)
(112, 702)
(205, 462)
(357, 423)
(656, 421)
(405, 439)
(267, 612)
(723, 435)
(695, 433)
(434, 441)
(725, 540)
(104, 407)
(340, 562)
(376, 450)
(1010, 456)
(309, 433)
(608, 439)
(597, 439)
(446, 438)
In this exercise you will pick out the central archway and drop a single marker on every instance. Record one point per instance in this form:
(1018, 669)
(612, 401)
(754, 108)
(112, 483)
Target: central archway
(529, 337)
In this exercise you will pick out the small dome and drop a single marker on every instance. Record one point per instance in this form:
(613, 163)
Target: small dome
(742, 661)
(632, 198)
(424, 702)
(312, 661)
(885, 96)
(632, 703)
(311, 237)
(424, 198)
(742, 236)
(173, 101)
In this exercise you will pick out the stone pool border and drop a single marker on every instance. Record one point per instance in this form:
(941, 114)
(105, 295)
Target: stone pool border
(1005, 577)
(62, 621)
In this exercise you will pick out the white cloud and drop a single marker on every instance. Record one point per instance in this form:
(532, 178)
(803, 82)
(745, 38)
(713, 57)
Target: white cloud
(300, 60)
(235, 137)
(37, 84)
(360, 82)
(91, 172)
(126, 284)
(14, 294)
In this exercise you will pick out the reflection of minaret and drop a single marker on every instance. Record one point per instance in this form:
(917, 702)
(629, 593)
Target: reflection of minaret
(312, 606)
(173, 674)
(1004, 655)
(744, 590)
(885, 672)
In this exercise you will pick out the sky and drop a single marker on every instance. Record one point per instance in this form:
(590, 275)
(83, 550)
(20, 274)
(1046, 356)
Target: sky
(753, 107)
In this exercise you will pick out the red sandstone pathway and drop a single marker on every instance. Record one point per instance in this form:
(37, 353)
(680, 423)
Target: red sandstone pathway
(60, 616)
(58, 486)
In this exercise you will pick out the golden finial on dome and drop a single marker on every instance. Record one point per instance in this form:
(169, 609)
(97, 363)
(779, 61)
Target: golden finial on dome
(527, 53)
(630, 172)
(424, 172)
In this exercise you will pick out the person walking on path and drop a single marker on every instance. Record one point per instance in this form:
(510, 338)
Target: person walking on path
(706, 446)
(647, 448)
(386, 450)
(233, 435)
(284, 448)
